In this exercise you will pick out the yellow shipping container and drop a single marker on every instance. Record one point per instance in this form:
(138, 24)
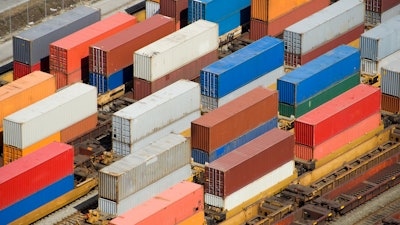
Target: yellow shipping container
(355, 43)
(11, 153)
(140, 16)
(186, 133)
(268, 10)
(196, 219)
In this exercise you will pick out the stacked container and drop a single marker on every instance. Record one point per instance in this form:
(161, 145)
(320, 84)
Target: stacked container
(258, 64)
(390, 86)
(69, 111)
(69, 60)
(271, 17)
(249, 169)
(340, 23)
(379, 11)
(318, 81)
(167, 60)
(173, 206)
(169, 109)
(228, 15)
(177, 9)
(222, 130)
(35, 180)
(31, 47)
(152, 8)
(110, 60)
(338, 122)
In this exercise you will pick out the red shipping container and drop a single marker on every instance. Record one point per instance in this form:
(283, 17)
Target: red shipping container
(63, 80)
(21, 69)
(225, 123)
(380, 6)
(34, 172)
(390, 103)
(177, 9)
(190, 71)
(116, 52)
(79, 128)
(336, 115)
(67, 54)
(172, 206)
(258, 29)
(249, 162)
(340, 140)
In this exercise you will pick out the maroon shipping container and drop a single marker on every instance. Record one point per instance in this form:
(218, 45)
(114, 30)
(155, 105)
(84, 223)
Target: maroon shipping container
(21, 69)
(258, 29)
(116, 52)
(337, 115)
(380, 6)
(294, 60)
(390, 103)
(234, 119)
(190, 71)
(249, 162)
(177, 9)
(34, 172)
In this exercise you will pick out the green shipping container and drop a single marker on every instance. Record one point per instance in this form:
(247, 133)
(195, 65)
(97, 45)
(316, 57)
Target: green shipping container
(320, 98)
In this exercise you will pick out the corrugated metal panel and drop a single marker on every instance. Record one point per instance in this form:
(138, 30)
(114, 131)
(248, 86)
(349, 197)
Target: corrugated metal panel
(390, 78)
(37, 199)
(390, 103)
(171, 52)
(247, 192)
(380, 5)
(177, 9)
(21, 69)
(143, 167)
(214, 10)
(350, 107)
(152, 8)
(381, 41)
(315, 76)
(241, 67)
(113, 208)
(202, 157)
(371, 67)
(178, 126)
(309, 33)
(214, 129)
(372, 18)
(260, 156)
(325, 95)
(51, 114)
(112, 81)
(167, 206)
(267, 10)
(31, 46)
(142, 118)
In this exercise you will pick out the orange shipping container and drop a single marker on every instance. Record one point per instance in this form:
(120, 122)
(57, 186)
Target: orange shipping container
(267, 10)
(24, 92)
(78, 128)
(11, 153)
(196, 219)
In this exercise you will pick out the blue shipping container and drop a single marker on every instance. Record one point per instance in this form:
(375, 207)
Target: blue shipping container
(202, 157)
(36, 200)
(318, 74)
(233, 21)
(241, 67)
(214, 10)
(105, 84)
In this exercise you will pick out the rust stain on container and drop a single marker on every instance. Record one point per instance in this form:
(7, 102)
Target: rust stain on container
(390, 103)
(78, 128)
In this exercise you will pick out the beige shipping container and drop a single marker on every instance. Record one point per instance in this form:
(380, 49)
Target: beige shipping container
(25, 91)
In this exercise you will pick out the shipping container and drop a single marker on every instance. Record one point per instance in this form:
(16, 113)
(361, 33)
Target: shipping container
(34, 172)
(351, 107)
(152, 8)
(37, 199)
(210, 103)
(177, 9)
(196, 219)
(21, 69)
(375, 18)
(390, 103)
(262, 155)
(390, 78)
(265, 182)
(25, 91)
(106, 83)
(51, 114)
(241, 67)
(317, 75)
(171, 52)
(320, 98)
(172, 206)
(115, 53)
(32, 46)
(233, 21)
(191, 71)
(324, 25)
(267, 10)
(339, 140)
(114, 208)
(380, 6)
(382, 40)
(373, 68)
(79, 128)
(225, 124)
(63, 79)
(214, 10)
(202, 157)
(143, 167)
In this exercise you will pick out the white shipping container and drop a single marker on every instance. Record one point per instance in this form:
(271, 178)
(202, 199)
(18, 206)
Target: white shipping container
(375, 18)
(50, 115)
(175, 50)
(323, 26)
(210, 103)
(143, 167)
(176, 127)
(371, 67)
(152, 113)
(152, 8)
(390, 78)
(114, 208)
(238, 197)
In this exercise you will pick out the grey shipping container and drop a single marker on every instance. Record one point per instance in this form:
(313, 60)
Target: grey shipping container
(32, 46)
(390, 79)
